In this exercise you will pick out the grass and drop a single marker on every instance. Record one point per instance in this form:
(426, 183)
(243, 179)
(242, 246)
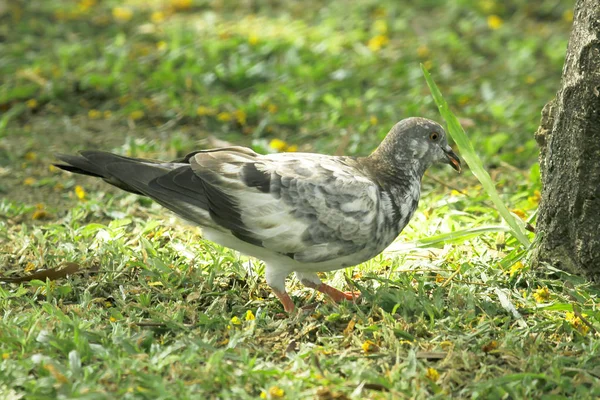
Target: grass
(150, 310)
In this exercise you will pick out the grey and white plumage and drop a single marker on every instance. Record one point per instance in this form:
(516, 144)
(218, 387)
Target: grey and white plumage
(298, 212)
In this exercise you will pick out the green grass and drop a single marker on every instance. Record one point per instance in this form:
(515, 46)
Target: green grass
(452, 309)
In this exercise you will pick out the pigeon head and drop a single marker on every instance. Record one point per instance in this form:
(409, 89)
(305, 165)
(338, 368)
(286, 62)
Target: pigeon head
(420, 141)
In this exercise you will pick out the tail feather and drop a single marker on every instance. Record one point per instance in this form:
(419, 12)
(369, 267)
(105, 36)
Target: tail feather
(163, 182)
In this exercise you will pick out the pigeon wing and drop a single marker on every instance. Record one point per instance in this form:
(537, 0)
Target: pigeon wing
(313, 208)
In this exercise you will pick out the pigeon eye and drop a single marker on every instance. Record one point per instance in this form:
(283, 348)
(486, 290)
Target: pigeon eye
(434, 136)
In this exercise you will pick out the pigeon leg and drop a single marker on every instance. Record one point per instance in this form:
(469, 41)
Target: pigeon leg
(313, 281)
(276, 280)
(286, 300)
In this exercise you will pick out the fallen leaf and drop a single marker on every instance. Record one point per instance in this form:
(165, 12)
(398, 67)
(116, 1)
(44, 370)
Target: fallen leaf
(52, 274)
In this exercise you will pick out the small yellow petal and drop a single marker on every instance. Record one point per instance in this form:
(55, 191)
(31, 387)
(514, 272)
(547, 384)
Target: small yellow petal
(29, 181)
(240, 116)
(32, 103)
(94, 114)
(39, 214)
(80, 192)
(162, 45)
(373, 120)
(520, 213)
(181, 4)
(250, 316)
(157, 17)
(423, 51)
(494, 22)
(253, 39)
(136, 115)
(432, 374)
(236, 321)
(377, 42)
(276, 392)
(541, 294)
(122, 14)
(224, 116)
(369, 347)
(278, 144)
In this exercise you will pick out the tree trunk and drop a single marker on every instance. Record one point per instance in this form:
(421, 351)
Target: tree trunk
(568, 226)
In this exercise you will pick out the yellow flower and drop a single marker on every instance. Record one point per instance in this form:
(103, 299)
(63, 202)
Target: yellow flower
(162, 45)
(240, 116)
(520, 213)
(530, 80)
(32, 103)
(157, 17)
(577, 323)
(112, 319)
(224, 116)
(377, 42)
(30, 156)
(107, 114)
(278, 144)
(29, 181)
(137, 114)
(432, 374)
(79, 192)
(250, 316)
(373, 120)
(423, 51)
(84, 5)
(494, 22)
(181, 4)
(516, 269)
(29, 267)
(236, 321)
(275, 392)
(428, 64)
(94, 114)
(253, 39)
(541, 294)
(272, 108)
(535, 199)
(122, 14)
(202, 110)
(40, 213)
(5, 356)
(369, 347)
(292, 149)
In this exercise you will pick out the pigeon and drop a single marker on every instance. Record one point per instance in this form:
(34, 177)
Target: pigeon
(297, 212)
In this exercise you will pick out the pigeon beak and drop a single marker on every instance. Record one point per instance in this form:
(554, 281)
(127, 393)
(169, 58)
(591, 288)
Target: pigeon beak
(453, 159)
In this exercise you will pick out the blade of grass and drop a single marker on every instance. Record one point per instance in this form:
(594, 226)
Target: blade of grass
(444, 238)
(472, 159)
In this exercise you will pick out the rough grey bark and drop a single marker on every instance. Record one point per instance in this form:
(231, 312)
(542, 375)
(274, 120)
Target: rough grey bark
(569, 138)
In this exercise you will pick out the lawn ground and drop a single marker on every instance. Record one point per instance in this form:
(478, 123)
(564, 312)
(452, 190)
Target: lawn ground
(150, 310)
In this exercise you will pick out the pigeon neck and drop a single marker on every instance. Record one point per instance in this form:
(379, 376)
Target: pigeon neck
(400, 175)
